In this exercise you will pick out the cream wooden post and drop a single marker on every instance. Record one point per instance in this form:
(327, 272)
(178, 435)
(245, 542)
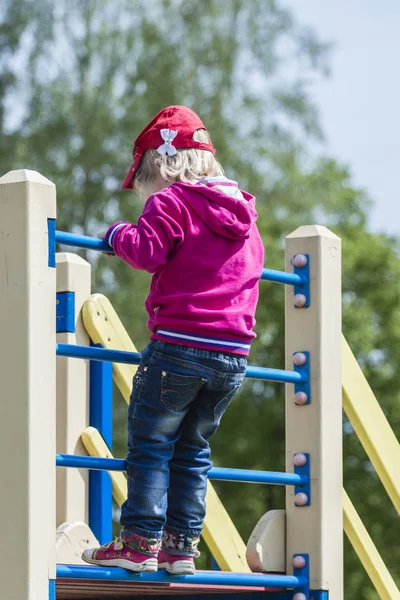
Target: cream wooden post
(73, 289)
(28, 386)
(316, 428)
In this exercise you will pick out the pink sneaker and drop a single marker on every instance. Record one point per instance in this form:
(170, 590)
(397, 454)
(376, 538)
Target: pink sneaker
(175, 564)
(118, 554)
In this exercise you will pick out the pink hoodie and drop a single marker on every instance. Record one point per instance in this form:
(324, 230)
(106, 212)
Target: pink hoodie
(201, 243)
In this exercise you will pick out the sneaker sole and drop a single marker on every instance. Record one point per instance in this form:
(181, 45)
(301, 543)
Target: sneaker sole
(179, 567)
(147, 566)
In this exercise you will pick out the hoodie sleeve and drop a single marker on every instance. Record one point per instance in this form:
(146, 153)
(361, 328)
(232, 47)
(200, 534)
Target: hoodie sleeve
(149, 244)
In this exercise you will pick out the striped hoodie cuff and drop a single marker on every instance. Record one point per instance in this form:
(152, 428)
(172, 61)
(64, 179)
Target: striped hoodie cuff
(109, 237)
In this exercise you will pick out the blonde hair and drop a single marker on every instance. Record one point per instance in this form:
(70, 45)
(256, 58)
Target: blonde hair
(186, 165)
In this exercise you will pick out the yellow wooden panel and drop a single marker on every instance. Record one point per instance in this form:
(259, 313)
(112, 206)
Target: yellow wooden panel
(367, 552)
(96, 446)
(222, 537)
(370, 424)
(220, 534)
(104, 327)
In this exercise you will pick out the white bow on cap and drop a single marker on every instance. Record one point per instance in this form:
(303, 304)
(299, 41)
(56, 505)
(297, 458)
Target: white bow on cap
(167, 135)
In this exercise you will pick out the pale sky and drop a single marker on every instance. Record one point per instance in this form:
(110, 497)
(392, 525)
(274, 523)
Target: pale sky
(360, 103)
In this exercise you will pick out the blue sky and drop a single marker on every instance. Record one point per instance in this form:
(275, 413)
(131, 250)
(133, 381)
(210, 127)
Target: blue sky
(360, 103)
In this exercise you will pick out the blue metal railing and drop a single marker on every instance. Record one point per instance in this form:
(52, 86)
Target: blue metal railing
(300, 378)
(133, 358)
(92, 243)
(216, 473)
(82, 241)
(283, 277)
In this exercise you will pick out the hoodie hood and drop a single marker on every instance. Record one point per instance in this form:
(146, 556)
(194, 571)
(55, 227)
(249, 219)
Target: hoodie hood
(225, 209)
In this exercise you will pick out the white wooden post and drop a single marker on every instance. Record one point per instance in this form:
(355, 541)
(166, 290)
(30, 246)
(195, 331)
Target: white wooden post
(316, 428)
(73, 289)
(28, 386)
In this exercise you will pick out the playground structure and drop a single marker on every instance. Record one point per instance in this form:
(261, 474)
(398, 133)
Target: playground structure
(71, 415)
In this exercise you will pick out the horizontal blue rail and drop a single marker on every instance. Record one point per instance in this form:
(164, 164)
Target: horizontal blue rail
(200, 577)
(93, 353)
(92, 243)
(82, 241)
(283, 277)
(133, 358)
(216, 473)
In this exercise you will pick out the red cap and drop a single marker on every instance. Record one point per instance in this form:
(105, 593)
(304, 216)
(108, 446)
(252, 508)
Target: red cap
(179, 119)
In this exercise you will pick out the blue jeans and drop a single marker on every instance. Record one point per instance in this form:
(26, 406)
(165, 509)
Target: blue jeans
(179, 396)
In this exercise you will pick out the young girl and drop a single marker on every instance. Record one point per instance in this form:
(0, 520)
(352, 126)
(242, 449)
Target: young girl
(198, 237)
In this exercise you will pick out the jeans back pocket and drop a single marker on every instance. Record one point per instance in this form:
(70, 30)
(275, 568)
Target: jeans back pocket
(178, 391)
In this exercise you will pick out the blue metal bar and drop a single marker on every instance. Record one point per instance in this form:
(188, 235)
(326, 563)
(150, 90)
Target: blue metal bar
(82, 241)
(250, 476)
(304, 385)
(65, 312)
(304, 574)
(216, 473)
(304, 471)
(118, 356)
(90, 462)
(133, 358)
(200, 577)
(100, 487)
(279, 375)
(304, 287)
(283, 277)
(92, 243)
(51, 240)
(52, 589)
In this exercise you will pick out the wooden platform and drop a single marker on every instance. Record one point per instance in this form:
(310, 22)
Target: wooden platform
(74, 589)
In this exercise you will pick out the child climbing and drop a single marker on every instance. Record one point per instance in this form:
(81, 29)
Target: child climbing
(197, 236)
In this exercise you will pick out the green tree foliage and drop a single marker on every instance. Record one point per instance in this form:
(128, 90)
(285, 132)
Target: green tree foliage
(80, 78)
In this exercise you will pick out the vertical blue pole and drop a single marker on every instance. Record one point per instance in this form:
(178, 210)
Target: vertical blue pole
(100, 490)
